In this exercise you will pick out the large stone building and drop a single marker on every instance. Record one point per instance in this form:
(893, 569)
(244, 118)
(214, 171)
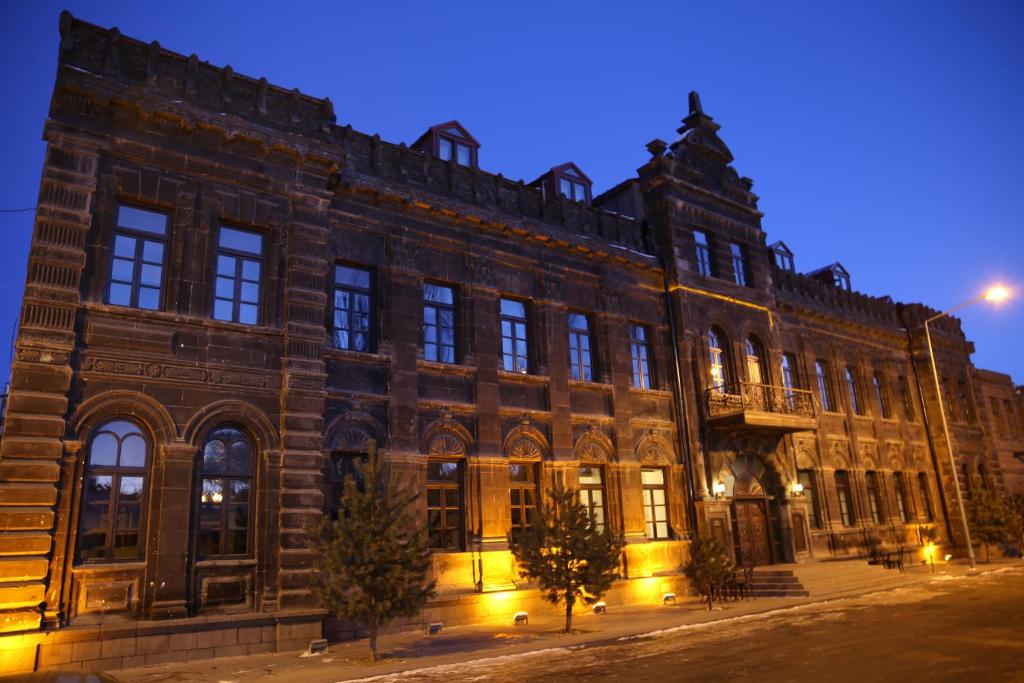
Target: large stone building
(230, 296)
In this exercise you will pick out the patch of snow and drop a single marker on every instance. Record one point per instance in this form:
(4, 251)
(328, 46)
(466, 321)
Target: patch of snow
(461, 667)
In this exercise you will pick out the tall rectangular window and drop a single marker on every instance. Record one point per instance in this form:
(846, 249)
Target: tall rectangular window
(1012, 419)
(137, 263)
(438, 323)
(843, 497)
(908, 399)
(239, 268)
(444, 505)
(854, 389)
(702, 253)
(592, 493)
(352, 308)
(899, 488)
(822, 371)
(579, 347)
(514, 354)
(639, 352)
(997, 417)
(966, 404)
(739, 264)
(524, 493)
(878, 382)
(806, 479)
(926, 498)
(655, 503)
(874, 506)
(789, 382)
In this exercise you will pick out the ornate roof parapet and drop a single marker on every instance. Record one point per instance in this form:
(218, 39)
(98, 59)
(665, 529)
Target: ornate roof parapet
(811, 292)
(160, 80)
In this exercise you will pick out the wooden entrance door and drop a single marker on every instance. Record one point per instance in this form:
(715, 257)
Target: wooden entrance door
(753, 542)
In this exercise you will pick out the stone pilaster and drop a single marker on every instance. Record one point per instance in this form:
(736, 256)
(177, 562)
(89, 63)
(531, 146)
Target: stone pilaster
(171, 490)
(32, 447)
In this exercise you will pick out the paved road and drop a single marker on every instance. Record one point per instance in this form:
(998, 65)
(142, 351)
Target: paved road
(963, 629)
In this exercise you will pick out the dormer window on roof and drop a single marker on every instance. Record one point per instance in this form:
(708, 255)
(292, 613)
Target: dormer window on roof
(783, 257)
(449, 141)
(834, 274)
(566, 181)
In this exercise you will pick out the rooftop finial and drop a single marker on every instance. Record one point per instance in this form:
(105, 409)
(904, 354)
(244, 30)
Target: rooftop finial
(695, 107)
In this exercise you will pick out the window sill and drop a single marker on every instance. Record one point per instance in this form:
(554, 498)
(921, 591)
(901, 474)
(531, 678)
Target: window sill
(523, 377)
(97, 566)
(227, 562)
(660, 393)
(435, 366)
(169, 316)
(587, 384)
(333, 353)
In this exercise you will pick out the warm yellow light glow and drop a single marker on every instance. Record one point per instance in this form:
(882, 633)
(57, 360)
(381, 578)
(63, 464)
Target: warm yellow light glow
(798, 489)
(929, 551)
(718, 488)
(997, 293)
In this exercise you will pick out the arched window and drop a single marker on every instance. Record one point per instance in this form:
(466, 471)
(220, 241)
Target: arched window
(110, 527)
(225, 493)
(756, 367)
(718, 360)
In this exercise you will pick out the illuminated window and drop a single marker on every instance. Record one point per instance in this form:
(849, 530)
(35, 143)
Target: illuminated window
(444, 505)
(789, 378)
(739, 266)
(579, 347)
(524, 492)
(515, 356)
(137, 262)
(592, 493)
(823, 373)
(843, 497)
(703, 253)
(352, 308)
(438, 323)
(755, 361)
(225, 494)
(239, 265)
(871, 479)
(718, 361)
(639, 351)
(655, 503)
(878, 382)
(114, 484)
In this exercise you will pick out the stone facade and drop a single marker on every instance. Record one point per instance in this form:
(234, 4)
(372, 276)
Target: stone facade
(207, 375)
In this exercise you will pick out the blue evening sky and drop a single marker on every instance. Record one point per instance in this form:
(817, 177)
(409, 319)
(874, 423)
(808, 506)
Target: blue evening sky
(887, 135)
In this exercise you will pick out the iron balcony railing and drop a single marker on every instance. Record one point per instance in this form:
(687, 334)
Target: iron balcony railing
(742, 397)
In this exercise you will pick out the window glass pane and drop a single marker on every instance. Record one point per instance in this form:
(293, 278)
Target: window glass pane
(590, 475)
(130, 489)
(581, 192)
(652, 476)
(239, 240)
(514, 309)
(240, 457)
(122, 270)
(577, 321)
(152, 252)
(225, 265)
(225, 288)
(444, 149)
(222, 310)
(438, 293)
(120, 295)
(565, 188)
(124, 246)
(103, 450)
(443, 471)
(700, 237)
(150, 275)
(352, 277)
(247, 314)
(149, 298)
(250, 292)
(141, 219)
(239, 491)
(250, 270)
(464, 155)
(214, 456)
(133, 451)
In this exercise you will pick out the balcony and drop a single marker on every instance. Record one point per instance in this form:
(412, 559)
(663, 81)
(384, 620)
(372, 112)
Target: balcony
(760, 406)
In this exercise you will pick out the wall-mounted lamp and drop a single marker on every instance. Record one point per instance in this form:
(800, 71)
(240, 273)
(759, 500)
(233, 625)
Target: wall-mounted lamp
(718, 489)
(798, 489)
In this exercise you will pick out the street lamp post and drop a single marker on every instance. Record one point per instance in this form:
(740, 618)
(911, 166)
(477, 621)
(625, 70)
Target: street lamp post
(995, 294)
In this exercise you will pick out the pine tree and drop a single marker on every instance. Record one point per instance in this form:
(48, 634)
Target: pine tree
(709, 567)
(372, 562)
(989, 519)
(566, 552)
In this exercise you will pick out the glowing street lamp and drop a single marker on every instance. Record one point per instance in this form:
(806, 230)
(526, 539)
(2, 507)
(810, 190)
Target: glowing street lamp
(995, 294)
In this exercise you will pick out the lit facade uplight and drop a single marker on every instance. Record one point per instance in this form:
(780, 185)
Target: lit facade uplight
(997, 293)
(718, 489)
(798, 489)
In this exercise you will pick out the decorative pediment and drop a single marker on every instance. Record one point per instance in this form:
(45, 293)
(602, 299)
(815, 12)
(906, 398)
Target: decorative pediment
(353, 431)
(592, 446)
(654, 449)
(446, 436)
(525, 442)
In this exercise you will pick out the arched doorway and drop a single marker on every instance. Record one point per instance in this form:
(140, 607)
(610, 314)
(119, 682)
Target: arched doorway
(755, 514)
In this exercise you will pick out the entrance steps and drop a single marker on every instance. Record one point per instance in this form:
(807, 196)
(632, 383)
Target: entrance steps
(838, 578)
(776, 583)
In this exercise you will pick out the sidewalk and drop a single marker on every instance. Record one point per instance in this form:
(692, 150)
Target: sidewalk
(411, 650)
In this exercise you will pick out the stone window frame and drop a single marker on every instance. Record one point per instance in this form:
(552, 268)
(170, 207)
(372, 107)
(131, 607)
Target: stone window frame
(527, 510)
(909, 412)
(642, 376)
(138, 258)
(651, 506)
(881, 387)
(116, 472)
(443, 488)
(514, 322)
(844, 499)
(702, 253)
(720, 372)
(353, 291)
(826, 390)
(226, 474)
(572, 186)
(738, 259)
(438, 308)
(807, 477)
(873, 496)
(581, 358)
(853, 390)
(586, 494)
(238, 276)
(901, 495)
